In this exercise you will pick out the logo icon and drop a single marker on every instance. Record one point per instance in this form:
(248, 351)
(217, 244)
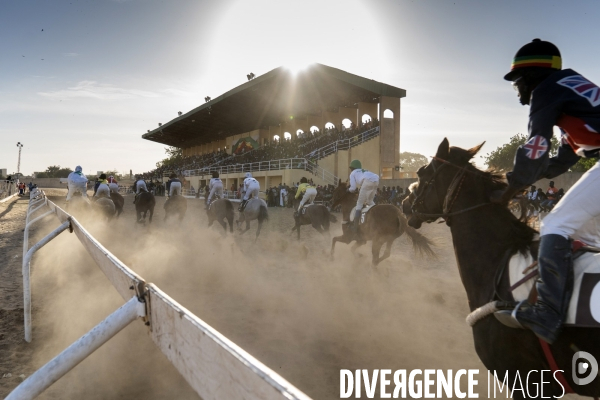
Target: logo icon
(584, 368)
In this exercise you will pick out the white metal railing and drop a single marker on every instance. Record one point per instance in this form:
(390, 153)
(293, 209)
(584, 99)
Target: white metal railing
(272, 165)
(343, 144)
(293, 163)
(215, 367)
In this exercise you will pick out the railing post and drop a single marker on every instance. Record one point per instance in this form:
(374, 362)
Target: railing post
(26, 274)
(56, 368)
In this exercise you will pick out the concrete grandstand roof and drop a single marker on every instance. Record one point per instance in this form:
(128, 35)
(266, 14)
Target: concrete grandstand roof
(269, 99)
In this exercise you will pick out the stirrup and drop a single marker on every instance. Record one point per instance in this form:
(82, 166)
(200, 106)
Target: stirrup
(509, 318)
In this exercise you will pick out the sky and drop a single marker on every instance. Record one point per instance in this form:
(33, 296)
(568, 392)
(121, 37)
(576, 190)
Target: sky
(81, 81)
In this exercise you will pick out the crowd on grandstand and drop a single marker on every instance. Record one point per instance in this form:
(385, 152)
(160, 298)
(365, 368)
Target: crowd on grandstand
(306, 145)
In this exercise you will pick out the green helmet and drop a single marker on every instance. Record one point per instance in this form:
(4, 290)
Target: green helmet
(355, 164)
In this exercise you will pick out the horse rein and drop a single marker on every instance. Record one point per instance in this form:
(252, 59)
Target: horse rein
(451, 193)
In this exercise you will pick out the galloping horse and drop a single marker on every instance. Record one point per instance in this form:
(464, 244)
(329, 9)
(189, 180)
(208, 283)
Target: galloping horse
(316, 215)
(485, 235)
(175, 205)
(383, 224)
(105, 207)
(220, 210)
(118, 200)
(255, 209)
(145, 202)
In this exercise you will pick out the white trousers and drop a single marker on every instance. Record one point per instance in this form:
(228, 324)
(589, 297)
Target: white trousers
(576, 214)
(367, 193)
(141, 185)
(113, 187)
(252, 191)
(309, 197)
(103, 191)
(175, 189)
(216, 189)
(74, 187)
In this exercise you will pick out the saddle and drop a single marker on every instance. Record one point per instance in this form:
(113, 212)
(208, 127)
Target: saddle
(364, 211)
(584, 306)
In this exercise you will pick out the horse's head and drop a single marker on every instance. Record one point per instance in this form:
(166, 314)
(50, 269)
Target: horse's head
(338, 194)
(437, 184)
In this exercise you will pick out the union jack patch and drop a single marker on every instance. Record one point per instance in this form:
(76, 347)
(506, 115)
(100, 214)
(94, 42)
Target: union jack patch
(536, 147)
(583, 88)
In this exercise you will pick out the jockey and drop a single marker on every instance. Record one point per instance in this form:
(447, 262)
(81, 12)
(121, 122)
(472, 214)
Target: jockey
(309, 192)
(562, 98)
(216, 188)
(112, 184)
(139, 186)
(251, 188)
(101, 187)
(366, 182)
(77, 182)
(174, 186)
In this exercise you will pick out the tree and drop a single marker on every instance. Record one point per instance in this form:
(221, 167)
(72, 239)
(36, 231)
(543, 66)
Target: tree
(54, 171)
(584, 164)
(504, 156)
(411, 162)
(175, 154)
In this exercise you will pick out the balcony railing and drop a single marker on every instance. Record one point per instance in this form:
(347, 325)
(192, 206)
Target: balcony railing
(273, 165)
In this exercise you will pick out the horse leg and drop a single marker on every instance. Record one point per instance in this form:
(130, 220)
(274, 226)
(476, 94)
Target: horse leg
(223, 224)
(335, 239)
(151, 214)
(247, 228)
(375, 250)
(230, 221)
(388, 249)
(258, 230)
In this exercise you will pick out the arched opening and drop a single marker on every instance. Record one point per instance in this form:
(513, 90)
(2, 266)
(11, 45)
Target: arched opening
(365, 118)
(276, 138)
(287, 136)
(314, 129)
(346, 123)
(299, 133)
(388, 113)
(329, 125)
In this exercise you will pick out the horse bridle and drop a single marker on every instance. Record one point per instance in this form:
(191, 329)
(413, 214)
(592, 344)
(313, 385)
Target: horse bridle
(451, 193)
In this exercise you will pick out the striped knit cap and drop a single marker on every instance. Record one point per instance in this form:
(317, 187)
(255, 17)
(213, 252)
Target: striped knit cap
(537, 54)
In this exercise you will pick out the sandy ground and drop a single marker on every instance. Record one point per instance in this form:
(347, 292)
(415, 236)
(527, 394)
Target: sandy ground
(280, 299)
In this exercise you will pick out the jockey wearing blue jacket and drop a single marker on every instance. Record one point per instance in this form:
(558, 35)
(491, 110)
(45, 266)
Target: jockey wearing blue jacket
(566, 99)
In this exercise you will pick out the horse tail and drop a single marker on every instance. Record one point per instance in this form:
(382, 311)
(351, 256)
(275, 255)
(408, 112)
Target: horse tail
(421, 244)
(262, 213)
(228, 206)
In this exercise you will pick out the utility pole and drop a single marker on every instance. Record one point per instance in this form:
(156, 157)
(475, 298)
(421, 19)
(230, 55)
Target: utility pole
(20, 146)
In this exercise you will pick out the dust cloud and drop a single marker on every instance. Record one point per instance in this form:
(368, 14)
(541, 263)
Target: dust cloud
(280, 299)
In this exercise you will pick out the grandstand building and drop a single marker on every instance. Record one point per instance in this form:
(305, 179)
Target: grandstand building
(284, 125)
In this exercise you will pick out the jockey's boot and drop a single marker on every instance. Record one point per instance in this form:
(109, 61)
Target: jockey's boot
(554, 287)
(354, 226)
(242, 205)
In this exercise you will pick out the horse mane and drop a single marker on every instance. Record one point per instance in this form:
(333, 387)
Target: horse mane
(521, 235)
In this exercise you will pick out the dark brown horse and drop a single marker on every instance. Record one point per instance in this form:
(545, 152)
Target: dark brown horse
(221, 210)
(316, 215)
(484, 235)
(144, 203)
(175, 205)
(118, 200)
(383, 224)
(105, 207)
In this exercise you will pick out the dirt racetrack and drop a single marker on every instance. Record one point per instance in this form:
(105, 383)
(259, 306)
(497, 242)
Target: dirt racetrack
(280, 299)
